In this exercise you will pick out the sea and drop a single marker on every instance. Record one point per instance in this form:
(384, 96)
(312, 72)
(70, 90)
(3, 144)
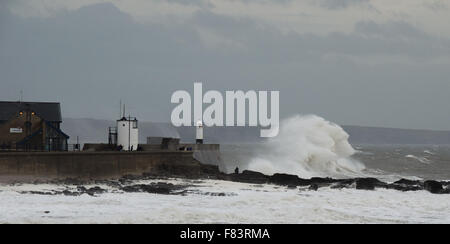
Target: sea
(306, 146)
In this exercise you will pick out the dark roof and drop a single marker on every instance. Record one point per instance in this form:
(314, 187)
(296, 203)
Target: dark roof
(49, 111)
(57, 130)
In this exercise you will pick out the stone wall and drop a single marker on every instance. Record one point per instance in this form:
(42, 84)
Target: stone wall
(27, 166)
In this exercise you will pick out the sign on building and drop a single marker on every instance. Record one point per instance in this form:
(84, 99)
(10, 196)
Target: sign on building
(15, 130)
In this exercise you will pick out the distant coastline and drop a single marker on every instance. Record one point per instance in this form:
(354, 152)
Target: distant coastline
(93, 130)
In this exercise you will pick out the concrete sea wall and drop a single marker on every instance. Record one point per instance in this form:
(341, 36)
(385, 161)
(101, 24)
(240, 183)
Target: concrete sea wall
(38, 166)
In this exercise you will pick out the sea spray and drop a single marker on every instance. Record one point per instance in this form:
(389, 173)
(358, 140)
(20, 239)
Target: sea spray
(308, 146)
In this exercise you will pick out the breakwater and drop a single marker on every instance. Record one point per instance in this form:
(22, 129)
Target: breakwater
(45, 166)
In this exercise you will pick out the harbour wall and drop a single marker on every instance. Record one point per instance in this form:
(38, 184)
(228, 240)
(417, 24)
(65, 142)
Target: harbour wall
(204, 153)
(46, 166)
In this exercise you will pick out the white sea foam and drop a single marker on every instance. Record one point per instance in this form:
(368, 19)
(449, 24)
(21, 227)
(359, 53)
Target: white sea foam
(423, 160)
(248, 204)
(308, 146)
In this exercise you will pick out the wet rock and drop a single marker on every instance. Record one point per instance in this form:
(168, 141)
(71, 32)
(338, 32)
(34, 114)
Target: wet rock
(407, 182)
(284, 179)
(433, 186)
(113, 184)
(445, 183)
(215, 194)
(38, 193)
(313, 187)
(406, 185)
(90, 191)
(248, 176)
(403, 187)
(341, 185)
(80, 190)
(157, 188)
(367, 183)
(319, 180)
(69, 193)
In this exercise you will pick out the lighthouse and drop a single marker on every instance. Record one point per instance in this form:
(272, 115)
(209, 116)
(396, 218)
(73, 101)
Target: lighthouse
(128, 133)
(199, 132)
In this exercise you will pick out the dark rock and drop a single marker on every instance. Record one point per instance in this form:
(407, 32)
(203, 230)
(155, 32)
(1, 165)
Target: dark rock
(403, 187)
(406, 185)
(407, 182)
(69, 193)
(313, 187)
(284, 179)
(114, 184)
(157, 188)
(433, 186)
(341, 185)
(253, 174)
(367, 183)
(37, 193)
(319, 180)
(248, 176)
(445, 183)
(215, 194)
(90, 191)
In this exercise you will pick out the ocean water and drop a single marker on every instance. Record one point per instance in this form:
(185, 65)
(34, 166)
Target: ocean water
(242, 203)
(249, 203)
(387, 162)
(307, 146)
(429, 162)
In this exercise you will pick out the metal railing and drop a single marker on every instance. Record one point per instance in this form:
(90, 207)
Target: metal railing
(44, 148)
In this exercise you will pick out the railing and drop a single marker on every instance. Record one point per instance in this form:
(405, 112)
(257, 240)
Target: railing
(73, 147)
(47, 148)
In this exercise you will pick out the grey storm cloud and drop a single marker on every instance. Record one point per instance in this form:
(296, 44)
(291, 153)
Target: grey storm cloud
(197, 3)
(91, 57)
(263, 1)
(436, 5)
(368, 38)
(339, 4)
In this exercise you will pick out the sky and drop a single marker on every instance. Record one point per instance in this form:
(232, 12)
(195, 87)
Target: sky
(354, 62)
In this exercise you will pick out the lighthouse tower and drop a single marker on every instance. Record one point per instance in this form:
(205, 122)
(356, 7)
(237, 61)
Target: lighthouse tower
(199, 132)
(128, 133)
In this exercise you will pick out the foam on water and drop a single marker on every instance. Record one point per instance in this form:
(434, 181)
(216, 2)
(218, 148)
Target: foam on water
(248, 204)
(308, 146)
(423, 160)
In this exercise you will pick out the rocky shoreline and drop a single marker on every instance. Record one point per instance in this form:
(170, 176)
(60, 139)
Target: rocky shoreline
(129, 183)
(436, 187)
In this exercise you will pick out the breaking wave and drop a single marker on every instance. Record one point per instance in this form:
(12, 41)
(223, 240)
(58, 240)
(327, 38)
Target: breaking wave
(423, 160)
(308, 146)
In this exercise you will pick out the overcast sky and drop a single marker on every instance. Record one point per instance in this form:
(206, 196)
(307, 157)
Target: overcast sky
(354, 62)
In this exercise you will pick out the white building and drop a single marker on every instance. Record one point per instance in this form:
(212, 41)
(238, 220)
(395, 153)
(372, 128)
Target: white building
(128, 134)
